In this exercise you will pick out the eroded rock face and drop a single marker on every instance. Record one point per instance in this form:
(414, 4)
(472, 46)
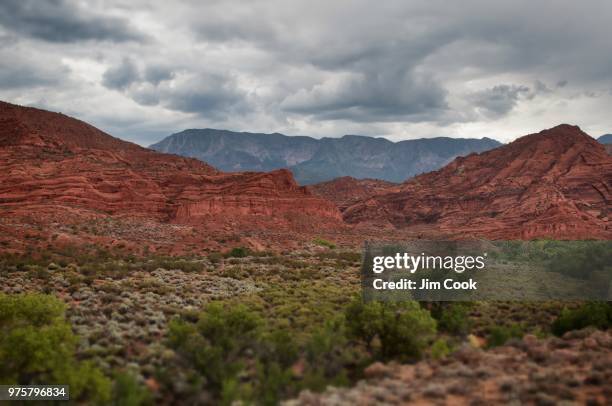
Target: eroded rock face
(347, 190)
(555, 184)
(52, 163)
(270, 194)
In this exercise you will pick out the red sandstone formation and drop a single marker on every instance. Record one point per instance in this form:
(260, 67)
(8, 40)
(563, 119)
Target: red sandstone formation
(347, 190)
(554, 184)
(51, 163)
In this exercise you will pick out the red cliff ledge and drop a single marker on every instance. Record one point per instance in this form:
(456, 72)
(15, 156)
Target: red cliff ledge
(346, 190)
(53, 163)
(553, 184)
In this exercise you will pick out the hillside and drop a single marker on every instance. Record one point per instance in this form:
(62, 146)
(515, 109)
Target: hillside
(318, 160)
(345, 191)
(53, 166)
(556, 183)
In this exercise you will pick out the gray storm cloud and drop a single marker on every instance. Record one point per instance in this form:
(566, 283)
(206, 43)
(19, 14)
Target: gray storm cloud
(311, 67)
(62, 21)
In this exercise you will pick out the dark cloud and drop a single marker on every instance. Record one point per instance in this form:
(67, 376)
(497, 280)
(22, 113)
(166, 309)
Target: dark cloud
(62, 21)
(121, 76)
(393, 63)
(499, 100)
(155, 74)
(205, 94)
(388, 95)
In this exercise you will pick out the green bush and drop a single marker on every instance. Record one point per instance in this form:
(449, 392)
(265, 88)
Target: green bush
(239, 359)
(228, 342)
(328, 353)
(215, 345)
(582, 259)
(128, 392)
(439, 349)
(238, 252)
(403, 328)
(324, 243)
(37, 346)
(499, 335)
(453, 318)
(596, 314)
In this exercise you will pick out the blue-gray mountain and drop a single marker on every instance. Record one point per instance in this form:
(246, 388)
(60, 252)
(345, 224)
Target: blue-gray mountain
(316, 160)
(605, 139)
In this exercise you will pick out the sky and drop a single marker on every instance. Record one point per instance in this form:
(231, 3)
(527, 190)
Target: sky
(142, 70)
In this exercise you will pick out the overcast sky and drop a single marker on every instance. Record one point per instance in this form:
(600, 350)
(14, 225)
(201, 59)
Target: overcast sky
(142, 70)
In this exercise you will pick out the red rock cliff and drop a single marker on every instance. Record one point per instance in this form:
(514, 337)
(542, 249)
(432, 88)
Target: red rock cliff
(51, 162)
(347, 190)
(556, 184)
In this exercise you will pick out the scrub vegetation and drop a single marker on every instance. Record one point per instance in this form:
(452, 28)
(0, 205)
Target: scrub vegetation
(258, 327)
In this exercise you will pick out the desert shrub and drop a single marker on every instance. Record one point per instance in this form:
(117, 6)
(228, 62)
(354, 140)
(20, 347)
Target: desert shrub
(453, 318)
(238, 252)
(581, 259)
(215, 257)
(324, 243)
(328, 353)
(273, 381)
(128, 392)
(181, 264)
(596, 314)
(243, 356)
(219, 345)
(499, 335)
(403, 328)
(217, 342)
(439, 349)
(37, 346)
(281, 348)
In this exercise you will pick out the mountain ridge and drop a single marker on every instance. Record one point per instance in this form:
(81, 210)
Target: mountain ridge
(52, 165)
(556, 184)
(605, 139)
(317, 160)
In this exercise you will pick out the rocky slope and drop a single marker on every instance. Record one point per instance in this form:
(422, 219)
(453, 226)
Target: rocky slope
(51, 163)
(317, 160)
(555, 184)
(346, 190)
(572, 370)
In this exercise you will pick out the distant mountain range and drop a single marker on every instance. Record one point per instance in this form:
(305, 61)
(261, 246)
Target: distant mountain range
(317, 160)
(605, 139)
